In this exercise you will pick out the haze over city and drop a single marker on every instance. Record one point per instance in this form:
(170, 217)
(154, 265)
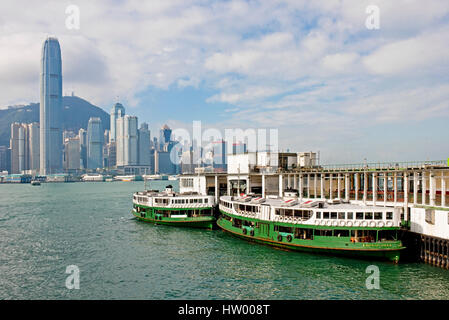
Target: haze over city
(313, 70)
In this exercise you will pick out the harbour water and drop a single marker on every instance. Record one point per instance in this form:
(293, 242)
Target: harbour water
(47, 228)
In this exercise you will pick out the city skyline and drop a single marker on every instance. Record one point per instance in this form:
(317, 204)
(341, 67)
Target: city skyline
(315, 71)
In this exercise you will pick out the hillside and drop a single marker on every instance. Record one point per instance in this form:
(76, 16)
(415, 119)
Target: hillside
(75, 115)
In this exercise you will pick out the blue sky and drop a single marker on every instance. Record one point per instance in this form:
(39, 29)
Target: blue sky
(311, 69)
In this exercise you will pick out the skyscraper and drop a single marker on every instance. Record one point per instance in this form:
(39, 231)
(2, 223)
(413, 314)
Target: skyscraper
(144, 145)
(24, 145)
(95, 136)
(127, 141)
(164, 136)
(50, 107)
(117, 111)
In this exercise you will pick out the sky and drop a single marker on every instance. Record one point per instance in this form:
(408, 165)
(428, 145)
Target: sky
(310, 69)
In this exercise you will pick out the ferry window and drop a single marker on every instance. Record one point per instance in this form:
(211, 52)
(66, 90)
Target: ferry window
(341, 233)
(368, 215)
(318, 216)
(359, 215)
(278, 211)
(285, 229)
(205, 200)
(325, 215)
(333, 215)
(341, 215)
(350, 216)
(323, 233)
(389, 216)
(377, 215)
(200, 200)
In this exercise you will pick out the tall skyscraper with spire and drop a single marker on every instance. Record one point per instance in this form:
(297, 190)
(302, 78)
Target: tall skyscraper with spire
(50, 107)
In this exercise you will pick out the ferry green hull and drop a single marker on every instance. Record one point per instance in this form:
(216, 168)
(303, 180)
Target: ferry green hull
(205, 222)
(324, 245)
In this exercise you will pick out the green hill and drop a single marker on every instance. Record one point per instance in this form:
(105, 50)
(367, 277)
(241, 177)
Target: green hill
(75, 115)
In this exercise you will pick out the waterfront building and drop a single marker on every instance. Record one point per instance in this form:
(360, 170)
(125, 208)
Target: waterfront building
(50, 107)
(144, 145)
(5, 159)
(127, 141)
(117, 111)
(24, 145)
(82, 135)
(95, 137)
(164, 136)
(72, 155)
(219, 155)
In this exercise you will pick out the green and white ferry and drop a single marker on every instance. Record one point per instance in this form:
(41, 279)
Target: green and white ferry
(175, 209)
(314, 225)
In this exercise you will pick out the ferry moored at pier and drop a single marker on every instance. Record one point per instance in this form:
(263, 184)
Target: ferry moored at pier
(314, 225)
(175, 209)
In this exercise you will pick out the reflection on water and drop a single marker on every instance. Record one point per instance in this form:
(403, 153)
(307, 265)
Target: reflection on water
(44, 229)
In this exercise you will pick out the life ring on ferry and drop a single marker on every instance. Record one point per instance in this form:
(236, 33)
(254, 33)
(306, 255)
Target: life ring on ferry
(342, 223)
(389, 223)
(349, 223)
(364, 224)
(334, 223)
(356, 223)
(289, 238)
(251, 233)
(380, 224)
(372, 224)
(244, 231)
(329, 223)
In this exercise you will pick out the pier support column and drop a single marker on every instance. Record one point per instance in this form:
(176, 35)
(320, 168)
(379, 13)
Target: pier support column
(374, 188)
(365, 187)
(229, 187)
(322, 187)
(216, 189)
(385, 188)
(347, 186)
(395, 184)
(443, 190)
(432, 188)
(405, 181)
(314, 185)
(300, 186)
(308, 186)
(424, 187)
(339, 186)
(356, 176)
(281, 185)
(295, 182)
(330, 186)
(415, 188)
(289, 181)
(263, 186)
(248, 185)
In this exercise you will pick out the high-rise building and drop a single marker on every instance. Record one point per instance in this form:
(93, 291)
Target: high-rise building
(127, 141)
(117, 111)
(164, 136)
(72, 154)
(219, 155)
(5, 158)
(95, 136)
(24, 145)
(82, 135)
(144, 145)
(50, 107)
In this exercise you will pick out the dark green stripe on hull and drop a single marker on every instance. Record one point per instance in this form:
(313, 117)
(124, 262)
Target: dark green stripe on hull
(200, 222)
